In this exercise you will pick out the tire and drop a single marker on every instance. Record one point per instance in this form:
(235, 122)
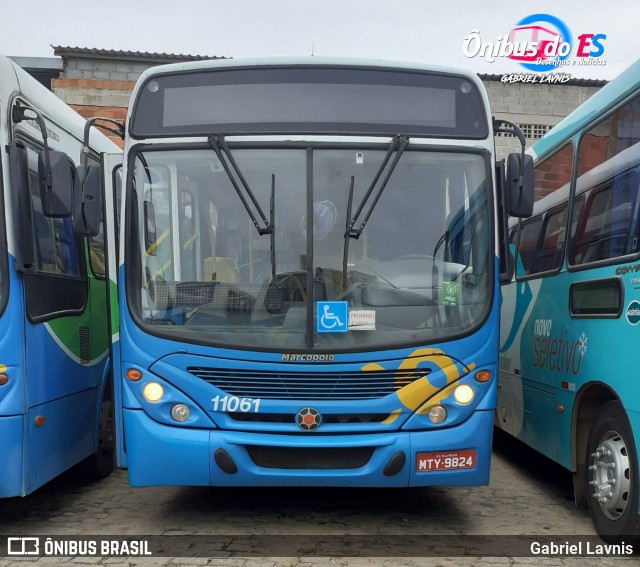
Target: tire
(612, 476)
(102, 462)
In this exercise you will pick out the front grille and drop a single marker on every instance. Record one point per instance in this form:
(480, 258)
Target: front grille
(305, 458)
(298, 385)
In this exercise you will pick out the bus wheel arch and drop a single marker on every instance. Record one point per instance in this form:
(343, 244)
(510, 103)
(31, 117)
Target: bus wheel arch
(588, 402)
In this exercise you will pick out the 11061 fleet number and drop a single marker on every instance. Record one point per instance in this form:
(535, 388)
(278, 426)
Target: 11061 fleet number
(234, 404)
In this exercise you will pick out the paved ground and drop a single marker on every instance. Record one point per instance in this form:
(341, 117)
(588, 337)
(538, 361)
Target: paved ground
(528, 496)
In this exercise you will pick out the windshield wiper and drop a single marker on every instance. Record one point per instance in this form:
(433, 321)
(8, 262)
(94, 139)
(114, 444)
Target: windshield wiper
(219, 145)
(345, 253)
(272, 232)
(398, 145)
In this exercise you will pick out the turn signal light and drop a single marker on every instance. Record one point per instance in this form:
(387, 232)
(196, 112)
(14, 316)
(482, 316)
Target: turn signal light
(482, 376)
(133, 374)
(3, 379)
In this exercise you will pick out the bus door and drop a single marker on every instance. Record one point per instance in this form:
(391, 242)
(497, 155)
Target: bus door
(112, 199)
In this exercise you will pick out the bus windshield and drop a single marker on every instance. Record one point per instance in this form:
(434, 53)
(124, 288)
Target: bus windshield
(418, 272)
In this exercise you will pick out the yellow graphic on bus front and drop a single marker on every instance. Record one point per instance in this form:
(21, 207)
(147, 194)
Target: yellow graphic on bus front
(414, 395)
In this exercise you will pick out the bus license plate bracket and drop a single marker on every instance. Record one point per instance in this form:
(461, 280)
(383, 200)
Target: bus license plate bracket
(445, 460)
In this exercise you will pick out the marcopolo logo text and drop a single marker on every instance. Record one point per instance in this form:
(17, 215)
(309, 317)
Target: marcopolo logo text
(308, 357)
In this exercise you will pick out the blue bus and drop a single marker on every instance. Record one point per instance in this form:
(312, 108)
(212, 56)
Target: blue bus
(570, 313)
(56, 403)
(308, 275)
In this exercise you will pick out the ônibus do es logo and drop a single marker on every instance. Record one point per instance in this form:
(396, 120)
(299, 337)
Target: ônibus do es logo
(540, 43)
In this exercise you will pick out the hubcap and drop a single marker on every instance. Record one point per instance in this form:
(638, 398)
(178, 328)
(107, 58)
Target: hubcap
(610, 475)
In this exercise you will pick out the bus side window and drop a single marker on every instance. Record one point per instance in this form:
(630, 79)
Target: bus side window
(57, 249)
(605, 231)
(552, 179)
(57, 286)
(97, 250)
(96, 253)
(528, 246)
(551, 251)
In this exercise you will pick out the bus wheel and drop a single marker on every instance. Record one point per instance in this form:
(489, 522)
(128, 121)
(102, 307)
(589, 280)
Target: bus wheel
(612, 476)
(102, 462)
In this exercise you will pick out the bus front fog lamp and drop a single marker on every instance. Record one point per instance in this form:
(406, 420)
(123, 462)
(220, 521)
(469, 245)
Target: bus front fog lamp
(463, 394)
(152, 392)
(437, 414)
(180, 412)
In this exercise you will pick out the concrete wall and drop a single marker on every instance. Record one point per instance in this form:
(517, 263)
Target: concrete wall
(534, 107)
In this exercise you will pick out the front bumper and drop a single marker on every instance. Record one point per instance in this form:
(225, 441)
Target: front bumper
(162, 455)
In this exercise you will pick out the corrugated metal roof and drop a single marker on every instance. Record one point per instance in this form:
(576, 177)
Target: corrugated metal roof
(571, 82)
(142, 56)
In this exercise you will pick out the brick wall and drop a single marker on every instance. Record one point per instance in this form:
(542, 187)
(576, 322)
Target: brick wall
(107, 98)
(96, 82)
(98, 88)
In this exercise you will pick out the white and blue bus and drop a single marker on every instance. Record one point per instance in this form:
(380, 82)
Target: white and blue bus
(55, 392)
(570, 314)
(309, 275)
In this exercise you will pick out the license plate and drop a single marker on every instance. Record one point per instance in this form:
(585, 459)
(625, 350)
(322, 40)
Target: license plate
(446, 460)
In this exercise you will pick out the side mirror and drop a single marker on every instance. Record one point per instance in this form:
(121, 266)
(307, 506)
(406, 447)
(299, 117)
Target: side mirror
(87, 200)
(519, 185)
(56, 184)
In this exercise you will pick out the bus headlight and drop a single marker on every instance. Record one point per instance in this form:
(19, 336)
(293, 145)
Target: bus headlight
(437, 414)
(463, 394)
(180, 412)
(152, 392)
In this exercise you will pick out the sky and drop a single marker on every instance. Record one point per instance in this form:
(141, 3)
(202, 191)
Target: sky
(423, 31)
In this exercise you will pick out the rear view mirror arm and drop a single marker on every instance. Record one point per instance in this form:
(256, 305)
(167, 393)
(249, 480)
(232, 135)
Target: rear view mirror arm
(508, 127)
(19, 114)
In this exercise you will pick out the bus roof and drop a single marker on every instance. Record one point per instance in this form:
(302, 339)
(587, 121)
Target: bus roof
(15, 81)
(607, 97)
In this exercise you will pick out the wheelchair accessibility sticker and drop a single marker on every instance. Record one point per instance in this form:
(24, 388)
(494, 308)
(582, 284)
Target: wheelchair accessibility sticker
(331, 317)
